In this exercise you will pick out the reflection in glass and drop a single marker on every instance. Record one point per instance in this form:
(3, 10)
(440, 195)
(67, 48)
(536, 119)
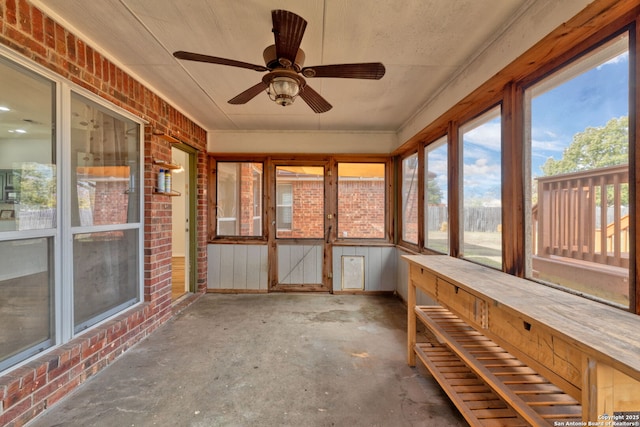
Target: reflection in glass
(410, 199)
(436, 222)
(105, 158)
(26, 299)
(361, 200)
(105, 274)
(482, 190)
(239, 199)
(27, 150)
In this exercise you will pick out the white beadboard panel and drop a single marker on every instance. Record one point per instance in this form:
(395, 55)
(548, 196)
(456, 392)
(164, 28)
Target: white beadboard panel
(213, 266)
(284, 261)
(380, 266)
(374, 270)
(389, 263)
(313, 265)
(336, 268)
(226, 267)
(237, 267)
(257, 267)
(300, 264)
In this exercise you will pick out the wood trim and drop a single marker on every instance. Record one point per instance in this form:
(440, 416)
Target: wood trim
(211, 199)
(550, 52)
(400, 224)
(330, 224)
(270, 205)
(536, 327)
(421, 195)
(594, 25)
(513, 171)
(455, 168)
(368, 293)
(236, 291)
(634, 163)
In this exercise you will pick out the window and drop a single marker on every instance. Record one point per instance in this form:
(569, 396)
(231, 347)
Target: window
(481, 234)
(102, 231)
(239, 198)
(105, 162)
(410, 199)
(436, 176)
(28, 200)
(300, 202)
(578, 219)
(361, 200)
(284, 206)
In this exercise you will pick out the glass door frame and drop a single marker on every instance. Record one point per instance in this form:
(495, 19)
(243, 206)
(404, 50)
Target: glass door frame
(326, 283)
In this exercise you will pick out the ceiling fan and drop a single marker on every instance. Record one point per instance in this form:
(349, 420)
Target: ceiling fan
(284, 61)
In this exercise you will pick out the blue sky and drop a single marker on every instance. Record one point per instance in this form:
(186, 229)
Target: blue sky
(588, 99)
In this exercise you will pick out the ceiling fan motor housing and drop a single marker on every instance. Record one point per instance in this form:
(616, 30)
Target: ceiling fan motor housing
(272, 61)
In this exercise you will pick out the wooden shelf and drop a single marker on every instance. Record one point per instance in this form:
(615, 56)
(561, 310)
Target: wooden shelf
(558, 335)
(500, 372)
(171, 193)
(166, 165)
(166, 137)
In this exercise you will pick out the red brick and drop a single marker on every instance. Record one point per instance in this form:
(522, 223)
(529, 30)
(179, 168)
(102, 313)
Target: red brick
(24, 16)
(26, 391)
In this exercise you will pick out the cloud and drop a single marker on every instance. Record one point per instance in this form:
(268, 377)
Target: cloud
(624, 57)
(488, 136)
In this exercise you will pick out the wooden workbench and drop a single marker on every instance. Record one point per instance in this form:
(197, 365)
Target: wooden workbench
(590, 350)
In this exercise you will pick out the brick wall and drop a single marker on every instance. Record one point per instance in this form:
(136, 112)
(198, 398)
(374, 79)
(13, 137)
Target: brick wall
(31, 388)
(361, 209)
(308, 210)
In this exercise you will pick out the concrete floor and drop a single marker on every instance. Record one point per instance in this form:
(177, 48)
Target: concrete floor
(266, 360)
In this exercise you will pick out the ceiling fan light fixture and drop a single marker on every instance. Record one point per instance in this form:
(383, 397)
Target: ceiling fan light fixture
(284, 62)
(283, 90)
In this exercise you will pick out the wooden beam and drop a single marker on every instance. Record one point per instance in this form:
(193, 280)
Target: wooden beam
(513, 178)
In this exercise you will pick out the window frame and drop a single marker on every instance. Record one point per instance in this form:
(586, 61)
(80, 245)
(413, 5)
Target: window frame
(386, 208)
(269, 197)
(577, 55)
(212, 229)
(507, 87)
(60, 235)
(474, 123)
(442, 141)
(418, 191)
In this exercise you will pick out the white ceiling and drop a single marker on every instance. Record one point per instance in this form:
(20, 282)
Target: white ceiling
(422, 43)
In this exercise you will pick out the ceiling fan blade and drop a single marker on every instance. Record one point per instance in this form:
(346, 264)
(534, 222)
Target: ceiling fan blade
(248, 94)
(367, 70)
(215, 60)
(315, 101)
(288, 30)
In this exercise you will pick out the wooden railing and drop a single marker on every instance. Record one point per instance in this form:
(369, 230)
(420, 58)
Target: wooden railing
(579, 215)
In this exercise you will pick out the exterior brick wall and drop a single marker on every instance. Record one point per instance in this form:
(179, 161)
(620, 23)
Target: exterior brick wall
(361, 209)
(28, 390)
(308, 210)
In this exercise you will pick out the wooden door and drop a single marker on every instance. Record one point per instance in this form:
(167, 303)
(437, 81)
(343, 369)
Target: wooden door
(301, 228)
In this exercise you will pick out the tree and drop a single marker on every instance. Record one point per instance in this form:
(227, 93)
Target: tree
(434, 192)
(594, 148)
